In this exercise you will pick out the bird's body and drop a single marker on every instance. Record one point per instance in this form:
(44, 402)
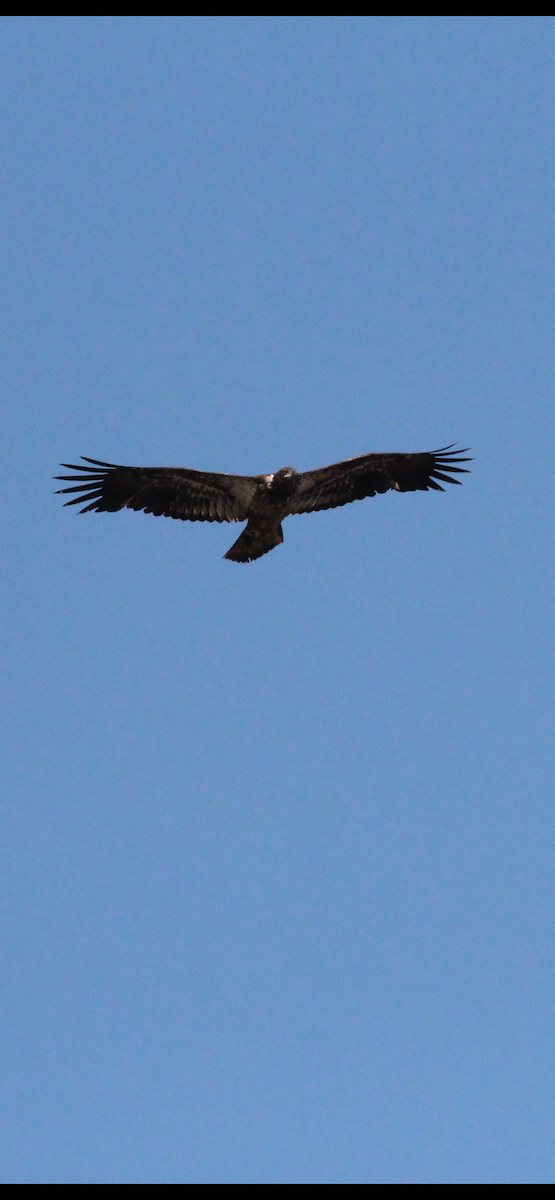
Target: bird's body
(261, 500)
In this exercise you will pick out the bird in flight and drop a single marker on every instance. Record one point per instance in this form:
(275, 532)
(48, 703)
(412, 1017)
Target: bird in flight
(261, 500)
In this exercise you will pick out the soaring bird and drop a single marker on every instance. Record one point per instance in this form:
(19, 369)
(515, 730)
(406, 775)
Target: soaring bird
(261, 500)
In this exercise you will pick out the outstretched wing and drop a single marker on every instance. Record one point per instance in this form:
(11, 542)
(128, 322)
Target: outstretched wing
(360, 477)
(164, 491)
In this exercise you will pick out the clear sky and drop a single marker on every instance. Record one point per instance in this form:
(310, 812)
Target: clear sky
(278, 839)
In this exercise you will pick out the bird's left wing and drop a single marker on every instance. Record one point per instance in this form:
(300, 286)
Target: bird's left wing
(165, 491)
(357, 478)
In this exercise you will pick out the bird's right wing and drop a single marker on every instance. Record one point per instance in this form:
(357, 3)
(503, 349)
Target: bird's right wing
(165, 491)
(356, 478)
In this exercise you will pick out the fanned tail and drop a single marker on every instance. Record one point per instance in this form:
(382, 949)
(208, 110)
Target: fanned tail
(254, 542)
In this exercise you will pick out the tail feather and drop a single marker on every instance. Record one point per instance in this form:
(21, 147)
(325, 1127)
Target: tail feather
(254, 542)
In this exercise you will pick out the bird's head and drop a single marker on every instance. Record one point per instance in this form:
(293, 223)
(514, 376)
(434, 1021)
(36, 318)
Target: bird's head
(285, 473)
(284, 482)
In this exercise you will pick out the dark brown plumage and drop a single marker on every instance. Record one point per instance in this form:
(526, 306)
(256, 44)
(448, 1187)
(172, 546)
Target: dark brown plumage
(261, 500)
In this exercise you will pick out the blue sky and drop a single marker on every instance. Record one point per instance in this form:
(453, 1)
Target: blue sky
(277, 879)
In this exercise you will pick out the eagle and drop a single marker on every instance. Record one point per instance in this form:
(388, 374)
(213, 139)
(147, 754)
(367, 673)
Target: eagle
(263, 501)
